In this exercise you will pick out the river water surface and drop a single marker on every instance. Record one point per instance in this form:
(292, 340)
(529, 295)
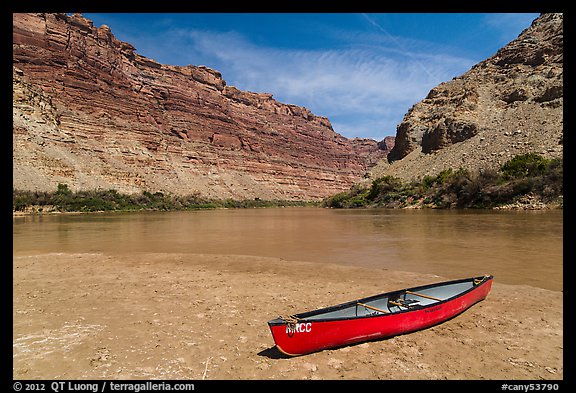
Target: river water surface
(517, 247)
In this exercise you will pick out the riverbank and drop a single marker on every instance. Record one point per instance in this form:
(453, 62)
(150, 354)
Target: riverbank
(64, 200)
(525, 202)
(199, 316)
(526, 182)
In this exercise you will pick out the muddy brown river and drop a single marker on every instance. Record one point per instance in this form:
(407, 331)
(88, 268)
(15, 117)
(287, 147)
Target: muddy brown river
(517, 247)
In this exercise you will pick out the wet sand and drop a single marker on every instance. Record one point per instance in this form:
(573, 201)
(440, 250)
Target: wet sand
(199, 316)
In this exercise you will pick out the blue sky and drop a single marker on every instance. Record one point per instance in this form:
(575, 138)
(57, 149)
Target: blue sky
(362, 71)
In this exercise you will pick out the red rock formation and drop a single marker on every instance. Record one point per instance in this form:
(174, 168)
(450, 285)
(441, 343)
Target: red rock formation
(91, 112)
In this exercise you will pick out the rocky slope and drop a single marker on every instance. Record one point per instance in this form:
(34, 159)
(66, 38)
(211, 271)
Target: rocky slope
(90, 112)
(509, 104)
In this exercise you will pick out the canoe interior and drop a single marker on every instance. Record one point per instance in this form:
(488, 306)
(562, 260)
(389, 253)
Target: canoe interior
(391, 302)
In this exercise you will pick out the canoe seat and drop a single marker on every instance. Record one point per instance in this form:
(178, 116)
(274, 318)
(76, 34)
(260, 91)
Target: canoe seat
(406, 303)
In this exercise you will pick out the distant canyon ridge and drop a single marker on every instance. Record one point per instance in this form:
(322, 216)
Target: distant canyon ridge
(90, 112)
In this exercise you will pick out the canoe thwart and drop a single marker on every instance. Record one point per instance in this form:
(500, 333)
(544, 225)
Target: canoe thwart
(373, 308)
(422, 295)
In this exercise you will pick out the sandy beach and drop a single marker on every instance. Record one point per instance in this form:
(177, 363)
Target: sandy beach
(199, 316)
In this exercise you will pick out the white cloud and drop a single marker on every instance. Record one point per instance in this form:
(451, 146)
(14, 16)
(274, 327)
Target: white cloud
(364, 89)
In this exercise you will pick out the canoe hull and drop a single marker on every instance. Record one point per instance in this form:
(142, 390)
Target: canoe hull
(308, 336)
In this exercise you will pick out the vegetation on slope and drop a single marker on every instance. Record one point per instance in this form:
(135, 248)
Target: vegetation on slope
(524, 175)
(527, 174)
(64, 200)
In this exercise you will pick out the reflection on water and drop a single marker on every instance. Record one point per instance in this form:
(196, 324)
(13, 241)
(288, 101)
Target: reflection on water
(517, 247)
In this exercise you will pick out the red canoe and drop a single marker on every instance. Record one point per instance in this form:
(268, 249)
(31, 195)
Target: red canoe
(385, 315)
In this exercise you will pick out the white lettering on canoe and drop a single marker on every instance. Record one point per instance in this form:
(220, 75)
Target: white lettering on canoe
(299, 328)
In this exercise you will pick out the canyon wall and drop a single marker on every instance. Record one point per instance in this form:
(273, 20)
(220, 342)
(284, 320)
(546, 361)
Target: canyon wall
(90, 112)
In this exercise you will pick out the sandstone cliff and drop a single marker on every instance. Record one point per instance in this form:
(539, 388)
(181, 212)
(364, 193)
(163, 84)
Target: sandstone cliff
(509, 104)
(91, 112)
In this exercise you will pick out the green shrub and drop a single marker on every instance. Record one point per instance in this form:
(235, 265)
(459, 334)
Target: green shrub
(384, 185)
(525, 165)
(62, 189)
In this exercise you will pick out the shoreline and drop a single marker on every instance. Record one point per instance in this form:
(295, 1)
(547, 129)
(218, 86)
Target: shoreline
(194, 316)
(523, 204)
(32, 212)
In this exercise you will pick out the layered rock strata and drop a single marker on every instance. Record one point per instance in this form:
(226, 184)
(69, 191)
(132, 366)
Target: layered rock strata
(92, 113)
